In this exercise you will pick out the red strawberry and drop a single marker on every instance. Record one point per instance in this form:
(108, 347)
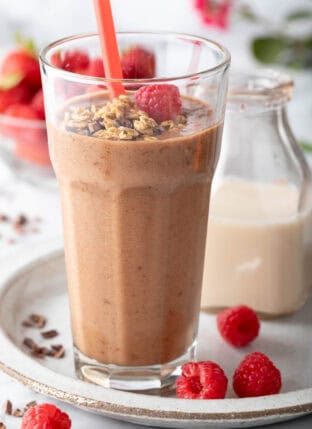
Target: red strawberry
(138, 63)
(22, 62)
(18, 94)
(75, 60)
(56, 60)
(45, 416)
(95, 68)
(161, 102)
(38, 104)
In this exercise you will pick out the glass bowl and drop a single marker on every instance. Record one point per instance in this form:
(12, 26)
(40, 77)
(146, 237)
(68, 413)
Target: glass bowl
(24, 148)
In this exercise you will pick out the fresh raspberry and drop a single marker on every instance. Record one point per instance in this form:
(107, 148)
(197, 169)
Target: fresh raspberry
(256, 375)
(45, 416)
(24, 63)
(38, 104)
(138, 63)
(20, 93)
(201, 380)
(95, 68)
(75, 60)
(161, 102)
(238, 325)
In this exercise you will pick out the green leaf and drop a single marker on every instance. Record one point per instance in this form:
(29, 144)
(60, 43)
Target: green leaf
(8, 82)
(247, 13)
(306, 146)
(26, 44)
(299, 14)
(268, 49)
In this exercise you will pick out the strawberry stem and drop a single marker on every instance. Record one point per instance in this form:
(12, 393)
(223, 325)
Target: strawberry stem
(26, 44)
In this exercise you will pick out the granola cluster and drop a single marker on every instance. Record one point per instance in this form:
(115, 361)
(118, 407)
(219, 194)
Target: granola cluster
(117, 120)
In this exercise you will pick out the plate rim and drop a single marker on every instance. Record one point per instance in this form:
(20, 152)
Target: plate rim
(18, 263)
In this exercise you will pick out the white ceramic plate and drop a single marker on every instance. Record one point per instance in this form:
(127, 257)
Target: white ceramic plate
(34, 281)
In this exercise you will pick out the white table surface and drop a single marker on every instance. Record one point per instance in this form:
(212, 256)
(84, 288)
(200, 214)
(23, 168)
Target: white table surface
(18, 197)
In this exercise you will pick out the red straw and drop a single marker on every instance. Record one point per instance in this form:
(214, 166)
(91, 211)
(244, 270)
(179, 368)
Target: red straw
(111, 60)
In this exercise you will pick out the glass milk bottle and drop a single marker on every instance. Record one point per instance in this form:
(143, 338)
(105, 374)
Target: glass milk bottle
(259, 251)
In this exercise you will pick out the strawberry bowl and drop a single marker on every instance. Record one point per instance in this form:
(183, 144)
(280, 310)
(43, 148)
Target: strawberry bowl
(24, 147)
(23, 135)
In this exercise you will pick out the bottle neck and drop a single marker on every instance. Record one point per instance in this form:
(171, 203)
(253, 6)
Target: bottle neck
(258, 145)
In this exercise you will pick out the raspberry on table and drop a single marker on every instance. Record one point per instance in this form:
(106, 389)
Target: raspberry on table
(45, 416)
(201, 380)
(256, 375)
(238, 325)
(138, 63)
(161, 102)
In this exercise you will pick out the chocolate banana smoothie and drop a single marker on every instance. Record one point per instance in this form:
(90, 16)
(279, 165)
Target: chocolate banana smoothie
(135, 196)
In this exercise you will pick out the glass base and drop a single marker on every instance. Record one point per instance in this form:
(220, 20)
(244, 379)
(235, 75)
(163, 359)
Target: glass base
(152, 379)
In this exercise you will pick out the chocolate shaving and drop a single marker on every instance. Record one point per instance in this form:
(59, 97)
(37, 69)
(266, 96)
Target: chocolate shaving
(49, 334)
(17, 413)
(4, 218)
(7, 407)
(2, 425)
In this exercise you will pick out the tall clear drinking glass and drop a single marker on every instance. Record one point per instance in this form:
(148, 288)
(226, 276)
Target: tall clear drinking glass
(135, 188)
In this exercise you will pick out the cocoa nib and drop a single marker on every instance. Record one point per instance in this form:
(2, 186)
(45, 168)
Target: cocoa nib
(40, 352)
(35, 321)
(94, 127)
(17, 413)
(58, 351)
(4, 218)
(30, 405)
(20, 222)
(29, 343)
(125, 123)
(27, 324)
(49, 334)
(7, 407)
